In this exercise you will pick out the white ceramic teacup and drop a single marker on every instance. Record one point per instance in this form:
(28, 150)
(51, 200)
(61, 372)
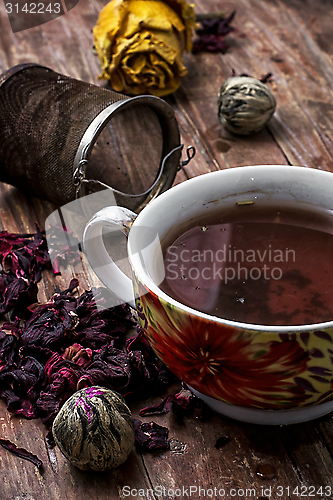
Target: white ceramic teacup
(251, 372)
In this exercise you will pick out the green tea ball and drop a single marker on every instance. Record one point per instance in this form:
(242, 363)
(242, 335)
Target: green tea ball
(245, 105)
(94, 429)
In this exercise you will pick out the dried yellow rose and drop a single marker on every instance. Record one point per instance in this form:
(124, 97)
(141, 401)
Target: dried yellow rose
(140, 44)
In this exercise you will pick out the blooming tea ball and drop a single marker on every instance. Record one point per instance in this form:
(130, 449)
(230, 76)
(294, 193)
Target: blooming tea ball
(245, 105)
(94, 429)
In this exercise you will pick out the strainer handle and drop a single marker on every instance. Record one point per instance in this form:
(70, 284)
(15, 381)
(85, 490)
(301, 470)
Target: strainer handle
(113, 218)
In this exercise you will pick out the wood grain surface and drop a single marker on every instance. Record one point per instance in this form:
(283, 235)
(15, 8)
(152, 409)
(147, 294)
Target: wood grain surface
(292, 40)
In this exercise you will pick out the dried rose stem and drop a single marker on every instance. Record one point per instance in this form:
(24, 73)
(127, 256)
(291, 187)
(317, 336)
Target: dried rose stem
(211, 15)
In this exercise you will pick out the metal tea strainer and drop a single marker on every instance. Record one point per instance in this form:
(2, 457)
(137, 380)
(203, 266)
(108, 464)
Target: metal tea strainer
(62, 138)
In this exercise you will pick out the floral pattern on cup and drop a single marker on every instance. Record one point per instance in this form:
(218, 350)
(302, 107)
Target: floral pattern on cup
(248, 368)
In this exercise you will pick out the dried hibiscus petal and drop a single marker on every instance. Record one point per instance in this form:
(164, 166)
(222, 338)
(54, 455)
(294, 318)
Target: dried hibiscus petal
(20, 387)
(72, 342)
(21, 452)
(16, 294)
(159, 408)
(148, 366)
(181, 403)
(42, 356)
(8, 348)
(63, 247)
(48, 406)
(23, 257)
(150, 436)
(210, 37)
(98, 324)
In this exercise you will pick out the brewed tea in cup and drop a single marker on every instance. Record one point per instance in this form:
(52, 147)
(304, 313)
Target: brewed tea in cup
(263, 263)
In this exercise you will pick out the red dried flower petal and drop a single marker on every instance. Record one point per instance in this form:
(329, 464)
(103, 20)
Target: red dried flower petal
(150, 436)
(21, 452)
(211, 34)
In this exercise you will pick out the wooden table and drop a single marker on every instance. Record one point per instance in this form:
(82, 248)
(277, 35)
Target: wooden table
(293, 40)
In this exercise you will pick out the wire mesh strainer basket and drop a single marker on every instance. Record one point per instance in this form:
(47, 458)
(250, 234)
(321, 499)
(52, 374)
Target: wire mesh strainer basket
(62, 138)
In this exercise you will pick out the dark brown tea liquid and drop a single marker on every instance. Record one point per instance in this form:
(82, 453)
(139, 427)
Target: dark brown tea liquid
(259, 264)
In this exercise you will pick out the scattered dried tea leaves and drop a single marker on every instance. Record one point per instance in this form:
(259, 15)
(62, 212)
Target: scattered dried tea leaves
(211, 35)
(68, 344)
(150, 436)
(159, 408)
(21, 452)
(71, 342)
(23, 257)
(63, 247)
(181, 403)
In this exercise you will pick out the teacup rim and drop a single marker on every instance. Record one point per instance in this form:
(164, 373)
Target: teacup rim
(153, 287)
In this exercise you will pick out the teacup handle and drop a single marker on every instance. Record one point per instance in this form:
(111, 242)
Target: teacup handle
(116, 218)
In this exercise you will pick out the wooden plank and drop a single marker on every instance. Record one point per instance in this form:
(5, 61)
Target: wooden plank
(216, 147)
(278, 46)
(278, 460)
(196, 108)
(267, 42)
